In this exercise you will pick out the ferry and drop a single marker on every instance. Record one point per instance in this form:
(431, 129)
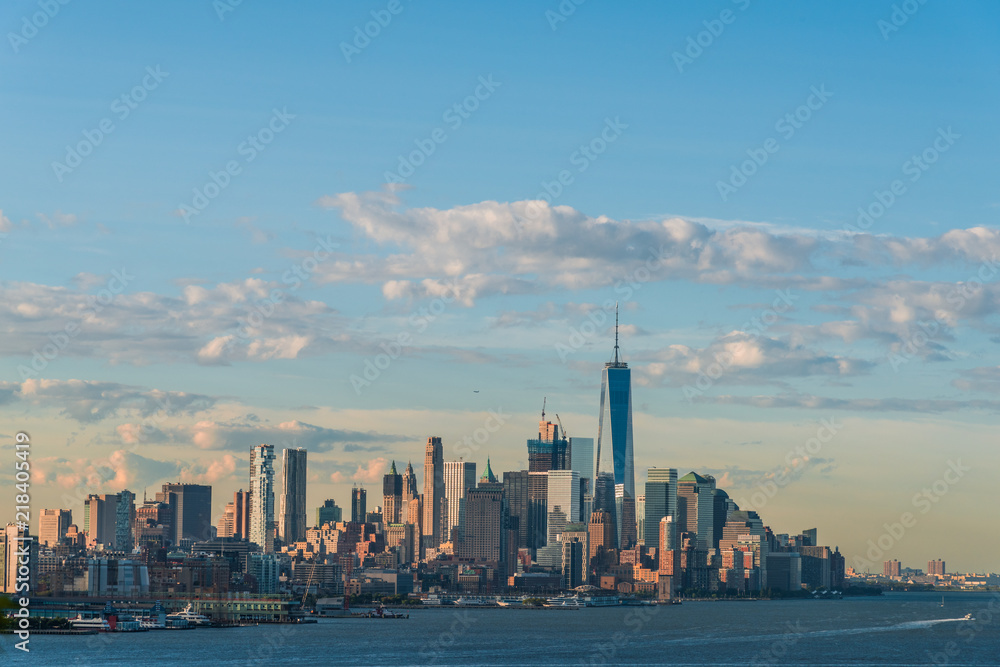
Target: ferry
(602, 601)
(192, 618)
(564, 602)
(96, 623)
(470, 602)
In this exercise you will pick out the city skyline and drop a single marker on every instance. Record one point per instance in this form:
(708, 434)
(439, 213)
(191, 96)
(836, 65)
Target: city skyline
(344, 254)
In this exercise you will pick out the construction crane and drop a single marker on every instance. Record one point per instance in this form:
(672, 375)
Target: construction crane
(564, 433)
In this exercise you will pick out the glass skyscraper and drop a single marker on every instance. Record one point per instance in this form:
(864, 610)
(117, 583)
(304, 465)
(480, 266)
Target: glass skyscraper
(614, 448)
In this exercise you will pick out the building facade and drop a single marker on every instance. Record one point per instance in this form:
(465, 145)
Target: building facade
(294, 473)
(262, 497)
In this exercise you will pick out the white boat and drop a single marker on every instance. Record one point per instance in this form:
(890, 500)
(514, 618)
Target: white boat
(96, 623)
(469, 602)
(565, 602)
(968, 617)
(602, 601)
(192, 618)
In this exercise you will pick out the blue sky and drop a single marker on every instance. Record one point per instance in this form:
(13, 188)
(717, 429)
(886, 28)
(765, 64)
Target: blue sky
(885, 331)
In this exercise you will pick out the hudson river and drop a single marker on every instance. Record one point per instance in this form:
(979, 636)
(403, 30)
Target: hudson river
(895, 629)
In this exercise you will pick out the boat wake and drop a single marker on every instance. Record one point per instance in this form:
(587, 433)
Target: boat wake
(792, 632)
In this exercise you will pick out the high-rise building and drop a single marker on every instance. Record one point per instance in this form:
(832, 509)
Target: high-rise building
(52, 526)
(604, 500)
(190, 511)
(124, 521)
(696, 507)
(582, 456)
(100, 520)
(936, 567)
(563, 502)
(328, 513)
(580, 533)
(241, 519)
(227, 522)
(891, 568)
(661, 501)
(744, 530)
(262, 497)
(410, 488)
(294, 473)
(485, 520)
(549, 451)
(515, 486)
(433, 492)
(152, 523)
(359, 505)
(614, 446)
(459, 477)
(392, 496)
(601, 532)
(640, 517)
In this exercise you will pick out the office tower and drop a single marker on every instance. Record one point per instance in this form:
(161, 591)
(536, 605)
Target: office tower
(601, 531)
(328, 513)
(838, 565)
(721, 506)
(241, 516)
(625, 508)
(264, 568)
(563, 503)
(582, 456)
(816, 570)
(577, 532)
(573, 562)
(661, 501)
(359, 505)
(891, 568)
(667, 557)
(640, 517)
(392, 496)
(936, 567)
(604, 500)
(696, 506)
(294, 474)
(410, 489)
(152, 523)
(100, 520)
(15, 544)
(809, 538)
(262, 497)
(459, 477)
(190, 511)
(784, 571)
(485, 520)
(549, 451)
(744, 530)
(515, 486)
(614, 444)
(433, 492)
(52, 526)
(227, 522)
(124, 520)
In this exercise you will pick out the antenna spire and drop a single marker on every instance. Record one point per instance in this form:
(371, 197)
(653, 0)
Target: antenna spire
(544, 398)
(616, 332)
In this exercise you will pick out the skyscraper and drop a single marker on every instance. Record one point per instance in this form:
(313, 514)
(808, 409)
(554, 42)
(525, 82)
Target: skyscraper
(100, 519)
(563, 502)
(124, 520)
(410, 488)
(485, 520)
(52, 526)
(262, 497)
(392, 496)
(293, 495)
(359, 505)
(190, 511)
(696, 508)
(549, 451)
(328, 513)
(241, 519)
(661, 501)
(614, 444)
(515, 486)
(459, 477)
(433, 492)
